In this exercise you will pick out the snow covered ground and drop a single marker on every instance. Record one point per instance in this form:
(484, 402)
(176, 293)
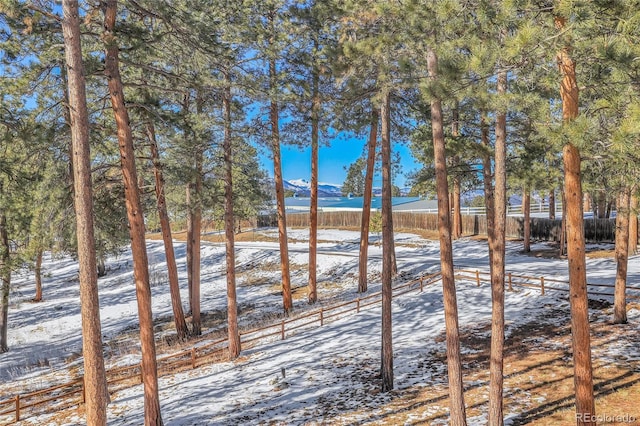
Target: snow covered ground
(329, 372)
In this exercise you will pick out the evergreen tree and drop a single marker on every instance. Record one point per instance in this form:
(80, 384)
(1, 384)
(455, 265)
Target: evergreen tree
(135, 215)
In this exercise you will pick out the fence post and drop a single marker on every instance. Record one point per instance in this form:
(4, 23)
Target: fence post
(510, 284)
(17, 408)
(421, 283)
(282, 330)
(358, 305)
(193, 358)
(542, 285)
(321, 316)
(478, 278)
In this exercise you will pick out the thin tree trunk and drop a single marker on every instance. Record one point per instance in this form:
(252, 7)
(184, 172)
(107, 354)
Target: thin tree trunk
(313, 207)
(165, 226)
(496, 377)
(602, 204)
(287, 301)
(552, 204)
(580, 332)
(633, 224)
(622, 258)
(457, 212)
(454, 363)
(136, 218)
(366, 202)
(37, 270)
(95, 383)
(487, 179)
(196, 232)
(5, 276)
(189, 254)
(232, 301)
(386, 368)
(526, 210)
(563, 227)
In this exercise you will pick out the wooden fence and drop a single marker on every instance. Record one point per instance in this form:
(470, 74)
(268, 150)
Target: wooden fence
(71, 393)
(544, 284)
(542, 229)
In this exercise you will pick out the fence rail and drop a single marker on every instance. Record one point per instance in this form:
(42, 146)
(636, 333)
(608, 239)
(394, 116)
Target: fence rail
(72, 393)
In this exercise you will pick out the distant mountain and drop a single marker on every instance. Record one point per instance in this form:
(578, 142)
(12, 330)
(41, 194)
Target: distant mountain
(302, 188)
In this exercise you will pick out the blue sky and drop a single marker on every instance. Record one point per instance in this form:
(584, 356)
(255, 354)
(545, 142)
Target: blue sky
(296, 162)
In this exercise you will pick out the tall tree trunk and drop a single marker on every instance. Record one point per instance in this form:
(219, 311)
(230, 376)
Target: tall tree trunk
(366, 202)
(457, 212)
(313, 206)
(487, 179)
(602, 204)
(287, 301)
(496, 377)
(189, 254)
(526, 210)
(633, 224)
(454, 363)
(136, 218)
(37, 270)
(95, 382)
(622, 258)
(165, 226)
(196, 232)
(580, 332)
(552, 204)
(386, 368)
(563, 226)
(5, 276)
(232, 302)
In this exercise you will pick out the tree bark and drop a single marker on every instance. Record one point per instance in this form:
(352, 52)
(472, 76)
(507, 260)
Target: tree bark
(580, 331)
(552, 204)
(526, 210)
(563, 226)
(496, 377)
(232, 302)
(95, 383)
(633, 224)
(457, 212)
(487, 179)
(366, 202)
(189, 248)
(37, 270)
(622, 258)
(287, 301)
(386, 368)
(5, 276)
(165, 227)
(135, 215)
(454, 363)
(313, 206)
(196, 232)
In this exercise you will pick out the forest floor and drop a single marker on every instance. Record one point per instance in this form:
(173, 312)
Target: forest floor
(332, 371)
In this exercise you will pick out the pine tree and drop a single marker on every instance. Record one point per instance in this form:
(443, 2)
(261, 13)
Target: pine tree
(572, 208)
(136, 217)
(95, 383)
(456, 389)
